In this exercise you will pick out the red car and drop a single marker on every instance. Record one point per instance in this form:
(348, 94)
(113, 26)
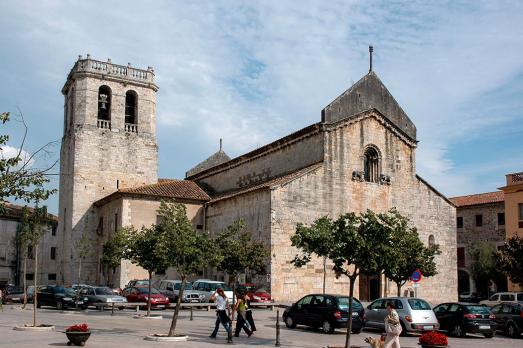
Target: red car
(256, 294)
(140, 293)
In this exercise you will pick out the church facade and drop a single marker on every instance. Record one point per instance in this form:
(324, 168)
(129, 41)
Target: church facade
(359, 156)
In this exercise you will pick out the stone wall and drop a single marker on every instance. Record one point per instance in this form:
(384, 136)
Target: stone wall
(331, 190)
(95, 162)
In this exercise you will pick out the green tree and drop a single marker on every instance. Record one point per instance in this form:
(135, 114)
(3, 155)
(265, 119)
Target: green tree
(35, 223)
(409, 252)
(19, 178)
(113, 251)
(360, 243)
(187, 249)
(240, 253)
(510, 259)
(483, 267)
(146, 249)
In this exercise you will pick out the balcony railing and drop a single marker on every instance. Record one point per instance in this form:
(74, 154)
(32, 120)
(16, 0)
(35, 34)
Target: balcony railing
(104, 124)
(131, 128)
(96, 66)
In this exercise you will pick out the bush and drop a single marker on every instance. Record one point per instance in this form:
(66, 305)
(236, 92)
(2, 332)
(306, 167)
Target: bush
(433, 338)
(78, 328)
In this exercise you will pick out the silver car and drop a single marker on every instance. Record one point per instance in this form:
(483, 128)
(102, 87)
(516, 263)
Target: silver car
(171, 289)
(101, 294)
(415, 314)
(497, 298)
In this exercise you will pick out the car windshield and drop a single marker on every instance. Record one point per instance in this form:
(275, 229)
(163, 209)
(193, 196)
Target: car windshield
(214, 286)
(261, 290)
(343, 303)
(62, 290)
(141, 282)
(177, 286)
(477, 309)
(103, 291)
(419, 305)
(15, 290)
(146, 290)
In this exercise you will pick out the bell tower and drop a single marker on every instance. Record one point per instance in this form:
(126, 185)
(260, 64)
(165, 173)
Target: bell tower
(109, 143)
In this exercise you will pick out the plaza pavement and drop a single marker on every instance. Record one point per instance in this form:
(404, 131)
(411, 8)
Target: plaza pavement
(121, 330)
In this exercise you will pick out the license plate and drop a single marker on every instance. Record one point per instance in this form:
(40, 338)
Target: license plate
(15, 299)
(68, 299)
(80, 302)
(160, 306)
(354, 314)
(429, 327)
(484, 327)
(195, 301)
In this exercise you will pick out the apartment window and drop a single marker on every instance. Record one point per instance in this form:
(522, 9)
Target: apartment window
(115, 222)
(459, 222)
(29, 276)
(199, 227)
(51, 276)
(501, 219)
(53, 231)
(479, 220)
(461, 257)
(53, 253)
(520, 209)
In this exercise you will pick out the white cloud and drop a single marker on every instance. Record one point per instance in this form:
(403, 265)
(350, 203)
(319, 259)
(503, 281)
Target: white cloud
(7, 152)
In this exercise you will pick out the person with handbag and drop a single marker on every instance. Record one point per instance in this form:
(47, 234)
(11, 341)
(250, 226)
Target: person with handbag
(392, 327)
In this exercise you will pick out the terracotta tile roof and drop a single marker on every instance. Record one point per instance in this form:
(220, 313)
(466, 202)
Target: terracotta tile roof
(170, 188)
(477, 199)
(281, 180)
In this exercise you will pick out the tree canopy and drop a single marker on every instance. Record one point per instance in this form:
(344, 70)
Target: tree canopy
(510, 259)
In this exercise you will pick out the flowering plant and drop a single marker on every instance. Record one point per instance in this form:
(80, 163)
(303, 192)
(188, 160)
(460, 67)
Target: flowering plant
(78, 328)
(433, 338)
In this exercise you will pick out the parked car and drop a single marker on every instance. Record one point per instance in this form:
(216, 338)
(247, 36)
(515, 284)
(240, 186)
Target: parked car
(60, 297)
(208, 287)
(13, 293)
(509, 318)
(503, 297)
(415, 314)
(101, 294)
(460, 318)
(171, 289)
(327, 312)
(471, 297)
(255, 293)
(140, 293)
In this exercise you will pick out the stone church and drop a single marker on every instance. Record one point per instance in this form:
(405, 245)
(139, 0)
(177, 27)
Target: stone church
(359, 156)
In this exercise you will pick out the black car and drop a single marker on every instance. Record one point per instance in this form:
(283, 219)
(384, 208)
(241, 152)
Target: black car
(461, 318)
(324, 311)
(60, 297)
(509, 318)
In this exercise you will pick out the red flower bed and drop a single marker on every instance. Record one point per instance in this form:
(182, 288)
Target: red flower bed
(78, 328)
(433, 338)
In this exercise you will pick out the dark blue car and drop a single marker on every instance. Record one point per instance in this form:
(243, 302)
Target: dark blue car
(327, 312)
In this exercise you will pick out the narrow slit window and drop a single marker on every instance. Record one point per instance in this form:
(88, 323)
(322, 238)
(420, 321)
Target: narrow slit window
(131, 101)
(371, 165)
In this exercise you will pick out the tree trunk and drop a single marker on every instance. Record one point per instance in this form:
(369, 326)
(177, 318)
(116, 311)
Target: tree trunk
(178, 305)
(398, 284)
(24, 280)
(80, 271)
(324, 272)
(35, 277)
(349, 323)
(149, 295)
(233, 296)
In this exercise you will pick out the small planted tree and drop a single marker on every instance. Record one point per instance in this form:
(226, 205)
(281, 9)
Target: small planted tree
(510, 259)
(35, 223)
(360, 243)
(186, 249)
(240, 253)
(483, 266)
(408, 251)
(146, 249)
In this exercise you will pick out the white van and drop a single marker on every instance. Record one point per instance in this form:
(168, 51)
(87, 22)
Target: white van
(208, 287)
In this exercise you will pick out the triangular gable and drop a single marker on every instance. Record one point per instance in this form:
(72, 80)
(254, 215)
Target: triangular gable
(369, 92)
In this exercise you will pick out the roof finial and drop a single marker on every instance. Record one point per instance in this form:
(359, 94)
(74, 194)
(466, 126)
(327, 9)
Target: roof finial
(221, 144)
(371, 49)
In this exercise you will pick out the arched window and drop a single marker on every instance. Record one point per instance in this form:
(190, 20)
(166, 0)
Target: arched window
(432, 240)
(104, 103)
(131, 107)
(371, 165)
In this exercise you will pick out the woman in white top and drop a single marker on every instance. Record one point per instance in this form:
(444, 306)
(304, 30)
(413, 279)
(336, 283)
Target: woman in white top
(392, 327)
(221, 315)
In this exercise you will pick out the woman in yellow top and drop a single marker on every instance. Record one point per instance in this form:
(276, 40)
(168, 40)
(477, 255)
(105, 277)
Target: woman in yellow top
(392, 327)
(241, 309)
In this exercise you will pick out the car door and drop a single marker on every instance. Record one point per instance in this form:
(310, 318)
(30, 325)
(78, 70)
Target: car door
(44, 295)
(302, 307)
(372, 313)
(442, 315)
(496, 310)
(455, 316)
(314, 314)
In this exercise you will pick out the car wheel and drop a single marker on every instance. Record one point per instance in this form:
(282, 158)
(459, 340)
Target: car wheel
(121, 308)
(513, 331)
(38, 305)
(356, 331)
(404, 332)
(489, 335)
(327, 327)
(59, 305)
(289, 322)
(458, 331)
(83, 308)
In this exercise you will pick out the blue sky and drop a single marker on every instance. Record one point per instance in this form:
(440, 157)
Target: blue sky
(253, 71)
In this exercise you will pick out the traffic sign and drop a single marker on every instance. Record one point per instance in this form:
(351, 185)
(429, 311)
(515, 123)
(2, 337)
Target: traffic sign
(416, 276)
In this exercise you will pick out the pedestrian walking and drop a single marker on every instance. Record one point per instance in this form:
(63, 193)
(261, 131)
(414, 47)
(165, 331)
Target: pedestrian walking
(241, 310)
(248, 313)
(222, 317)
(392, 327)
